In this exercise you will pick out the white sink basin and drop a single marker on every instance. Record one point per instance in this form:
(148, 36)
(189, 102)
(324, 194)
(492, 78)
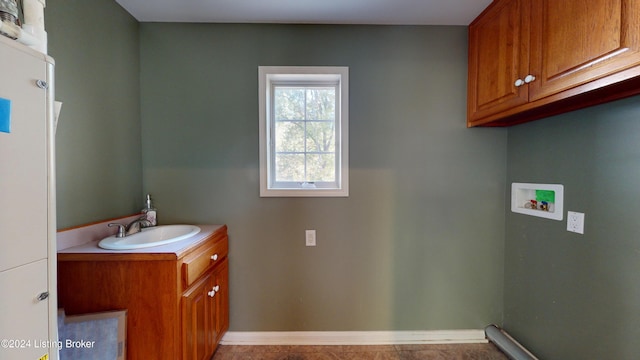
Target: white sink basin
(152, 236)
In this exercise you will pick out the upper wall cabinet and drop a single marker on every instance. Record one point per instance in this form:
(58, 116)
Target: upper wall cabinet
(534, 58)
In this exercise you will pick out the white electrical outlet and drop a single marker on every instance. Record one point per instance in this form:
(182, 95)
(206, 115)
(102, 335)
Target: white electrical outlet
(310, 237)
(575, 222)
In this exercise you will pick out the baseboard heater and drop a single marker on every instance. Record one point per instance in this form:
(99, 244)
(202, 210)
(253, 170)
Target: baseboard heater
(513, 349)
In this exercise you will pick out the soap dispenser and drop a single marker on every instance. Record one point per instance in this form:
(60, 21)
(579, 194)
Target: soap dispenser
(149, 212)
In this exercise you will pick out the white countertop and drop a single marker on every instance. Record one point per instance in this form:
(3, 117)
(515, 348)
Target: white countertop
(177, 247)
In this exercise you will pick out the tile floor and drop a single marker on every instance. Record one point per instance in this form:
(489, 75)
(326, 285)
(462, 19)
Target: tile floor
(349, 352)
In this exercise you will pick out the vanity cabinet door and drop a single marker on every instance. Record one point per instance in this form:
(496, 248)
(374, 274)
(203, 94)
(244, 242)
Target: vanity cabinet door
(221, 298)
(198, 319)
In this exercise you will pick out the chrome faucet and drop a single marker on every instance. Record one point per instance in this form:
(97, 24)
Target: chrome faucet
(136, 225)
(132, 228)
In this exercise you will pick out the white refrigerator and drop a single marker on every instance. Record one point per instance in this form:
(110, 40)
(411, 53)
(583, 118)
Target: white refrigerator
(28, 304)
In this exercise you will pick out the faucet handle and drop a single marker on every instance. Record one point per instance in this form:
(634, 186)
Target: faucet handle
(121, 229)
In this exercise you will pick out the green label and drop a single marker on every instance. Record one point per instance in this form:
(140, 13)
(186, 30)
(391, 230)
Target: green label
(546, 195)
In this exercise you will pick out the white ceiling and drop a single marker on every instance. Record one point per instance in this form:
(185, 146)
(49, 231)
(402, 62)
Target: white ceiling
(380, 12)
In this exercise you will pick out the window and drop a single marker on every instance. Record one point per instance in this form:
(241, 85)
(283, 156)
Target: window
(303, 131)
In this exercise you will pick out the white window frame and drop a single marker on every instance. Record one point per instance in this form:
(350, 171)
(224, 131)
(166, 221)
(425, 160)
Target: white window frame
(267, 76)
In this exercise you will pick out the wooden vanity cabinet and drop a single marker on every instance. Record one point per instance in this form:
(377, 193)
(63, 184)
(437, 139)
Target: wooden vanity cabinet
(534, 58)
(177, 301)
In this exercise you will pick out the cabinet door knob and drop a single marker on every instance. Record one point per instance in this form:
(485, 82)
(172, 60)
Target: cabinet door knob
(42, 84)
(42, 296)
(529, 78)
(214, 257)
(519, 83)
(211, 293)
(216, 288)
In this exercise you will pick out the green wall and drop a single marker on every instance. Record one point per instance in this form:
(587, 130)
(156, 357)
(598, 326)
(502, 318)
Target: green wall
(418, 244)
(571, 296)
(98, 153)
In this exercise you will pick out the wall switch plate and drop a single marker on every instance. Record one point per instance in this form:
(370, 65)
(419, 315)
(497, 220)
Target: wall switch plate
(310, 237)
(575, 222)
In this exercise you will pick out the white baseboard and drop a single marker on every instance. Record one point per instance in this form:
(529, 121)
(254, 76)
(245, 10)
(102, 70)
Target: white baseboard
(352, 337)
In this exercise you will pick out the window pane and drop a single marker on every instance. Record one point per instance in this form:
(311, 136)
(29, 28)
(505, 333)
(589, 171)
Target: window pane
(305, 124)
(303, 127)
(289, 136)
(290, 167)
(289, 103)
(321, 103)
(321, 167)
(321, 136)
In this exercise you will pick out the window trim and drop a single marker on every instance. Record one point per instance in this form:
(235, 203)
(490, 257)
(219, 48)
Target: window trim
(269, 74)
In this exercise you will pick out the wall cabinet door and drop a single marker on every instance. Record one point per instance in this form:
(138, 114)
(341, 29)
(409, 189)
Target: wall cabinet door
(498, 56)
(529, 59)
(574, 42)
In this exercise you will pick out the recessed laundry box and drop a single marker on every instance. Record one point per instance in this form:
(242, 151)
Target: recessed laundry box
(543, 200)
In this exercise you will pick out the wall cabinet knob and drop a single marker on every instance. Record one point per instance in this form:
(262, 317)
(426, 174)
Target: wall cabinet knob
(213, 291)
(519, 83)
(529, 78)
(214, 257)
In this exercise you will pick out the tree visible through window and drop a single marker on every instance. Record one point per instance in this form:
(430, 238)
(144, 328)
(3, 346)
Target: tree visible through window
(303, 131)
(305, 148)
